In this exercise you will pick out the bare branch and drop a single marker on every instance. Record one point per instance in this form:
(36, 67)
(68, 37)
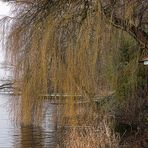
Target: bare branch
(136, 32)
(7, 86)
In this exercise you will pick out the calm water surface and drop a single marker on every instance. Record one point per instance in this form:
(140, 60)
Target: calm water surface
(25, 137)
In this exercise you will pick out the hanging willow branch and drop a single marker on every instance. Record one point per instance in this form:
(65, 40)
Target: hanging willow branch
(62, 46)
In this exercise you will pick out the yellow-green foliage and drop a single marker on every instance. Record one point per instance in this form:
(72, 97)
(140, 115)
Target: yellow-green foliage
(127, 67)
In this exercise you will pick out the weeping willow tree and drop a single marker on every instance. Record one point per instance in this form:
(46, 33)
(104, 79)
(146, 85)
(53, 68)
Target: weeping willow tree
(67, 47)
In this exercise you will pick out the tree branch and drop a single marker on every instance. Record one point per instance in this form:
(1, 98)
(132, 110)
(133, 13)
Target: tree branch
(6, 85)
(136, 32)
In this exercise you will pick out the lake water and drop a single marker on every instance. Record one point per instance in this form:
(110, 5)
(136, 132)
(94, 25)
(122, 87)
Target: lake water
(25, 137)
(21, 137)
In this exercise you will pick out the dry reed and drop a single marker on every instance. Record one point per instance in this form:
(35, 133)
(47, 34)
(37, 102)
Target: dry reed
(91, 137)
